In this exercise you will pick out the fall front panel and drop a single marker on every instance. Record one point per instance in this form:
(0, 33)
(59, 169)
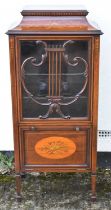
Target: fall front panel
(70, 148)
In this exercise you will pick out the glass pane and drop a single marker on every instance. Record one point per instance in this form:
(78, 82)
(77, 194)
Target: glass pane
(54, 77)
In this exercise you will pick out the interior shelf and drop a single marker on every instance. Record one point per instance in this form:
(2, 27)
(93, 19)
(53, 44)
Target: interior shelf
(36, 74)
(45, 97)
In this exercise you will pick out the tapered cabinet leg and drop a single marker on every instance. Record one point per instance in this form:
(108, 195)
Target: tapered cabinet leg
(18, 187)
(93, 186)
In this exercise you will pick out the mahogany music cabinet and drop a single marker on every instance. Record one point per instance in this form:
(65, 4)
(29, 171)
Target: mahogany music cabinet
(54, 62)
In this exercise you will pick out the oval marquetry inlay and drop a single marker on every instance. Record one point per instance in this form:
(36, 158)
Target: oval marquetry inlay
(55, 147)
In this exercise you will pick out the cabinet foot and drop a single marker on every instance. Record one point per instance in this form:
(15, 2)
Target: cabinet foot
(19, 198)
(23, 175)
(93, 198)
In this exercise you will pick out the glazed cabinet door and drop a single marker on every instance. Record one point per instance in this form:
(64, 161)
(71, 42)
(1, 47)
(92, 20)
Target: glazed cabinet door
(55, 77)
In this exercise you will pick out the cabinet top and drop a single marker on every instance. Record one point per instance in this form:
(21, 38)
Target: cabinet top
(54, 21)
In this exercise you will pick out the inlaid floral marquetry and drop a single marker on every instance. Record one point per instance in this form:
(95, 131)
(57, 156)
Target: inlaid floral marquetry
(55, 147)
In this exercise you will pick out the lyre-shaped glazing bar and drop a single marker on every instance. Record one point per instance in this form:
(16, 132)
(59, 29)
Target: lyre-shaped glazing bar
(55, 55)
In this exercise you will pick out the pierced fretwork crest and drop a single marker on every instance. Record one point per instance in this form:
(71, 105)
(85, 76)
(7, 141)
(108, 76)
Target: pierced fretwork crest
(55, 54)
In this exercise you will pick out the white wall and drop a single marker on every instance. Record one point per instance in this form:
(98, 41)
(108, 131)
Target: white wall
(10, 14)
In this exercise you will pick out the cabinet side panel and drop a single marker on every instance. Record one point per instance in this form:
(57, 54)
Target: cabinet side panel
(14, 101)
(95, 101)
